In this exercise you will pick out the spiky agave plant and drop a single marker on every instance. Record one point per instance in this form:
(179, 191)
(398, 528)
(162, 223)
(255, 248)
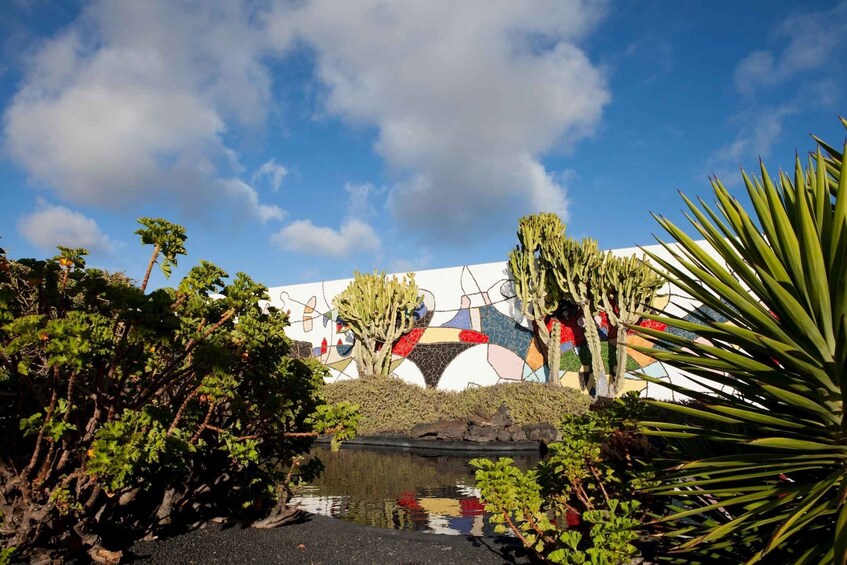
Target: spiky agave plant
(774, 488)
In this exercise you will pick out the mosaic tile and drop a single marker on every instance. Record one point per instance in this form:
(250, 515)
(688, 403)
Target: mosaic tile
(570, 361)
(470, 336)
(656, 369)
(440, 335)
(502, 330)
(432, 359)
(534, 358)
(571, 379)
(585, 357)
(425, 320)
(406, 344)
(640, 359)
(340, 365)
(505, 363)
(482, 310)
(633, 385)
(300, 349)
(462, 319)
(308, 312)
(538, 376)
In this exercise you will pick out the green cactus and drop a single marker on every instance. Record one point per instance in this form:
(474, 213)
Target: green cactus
(535, 284)
(554, 349)
(625, 287)
(378, 310)
(576, 264)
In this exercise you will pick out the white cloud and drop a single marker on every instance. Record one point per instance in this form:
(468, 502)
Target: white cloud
(808, 41)
(302, 236)
(758, 132)
(466, 97)
(274, 171)
(359, 199)
(51, 225)
(422, 260)
(246, 195)
(133, 99)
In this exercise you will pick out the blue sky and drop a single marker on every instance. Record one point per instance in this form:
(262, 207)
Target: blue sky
(298, 141)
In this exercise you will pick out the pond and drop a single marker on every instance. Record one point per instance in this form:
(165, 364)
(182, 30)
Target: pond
(401, 489)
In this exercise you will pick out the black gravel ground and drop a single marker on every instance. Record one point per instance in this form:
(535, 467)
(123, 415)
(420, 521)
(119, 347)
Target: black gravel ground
(319, 540)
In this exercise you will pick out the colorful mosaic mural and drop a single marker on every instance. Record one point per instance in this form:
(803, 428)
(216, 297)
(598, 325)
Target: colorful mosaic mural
(470, 332)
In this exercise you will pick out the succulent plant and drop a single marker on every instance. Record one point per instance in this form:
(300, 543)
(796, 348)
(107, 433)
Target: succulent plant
(577, 263)
(378, 310)
(624, 288)
(771, 370)
(536, 287)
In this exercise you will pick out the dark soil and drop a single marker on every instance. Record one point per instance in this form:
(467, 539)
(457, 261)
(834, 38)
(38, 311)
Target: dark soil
(318, 540)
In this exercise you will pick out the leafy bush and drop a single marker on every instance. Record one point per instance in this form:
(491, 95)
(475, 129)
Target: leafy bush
(394, 406)
(774, 487)
(125, 412)
(583, 503)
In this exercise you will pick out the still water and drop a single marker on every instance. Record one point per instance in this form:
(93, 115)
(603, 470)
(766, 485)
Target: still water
(403, 490)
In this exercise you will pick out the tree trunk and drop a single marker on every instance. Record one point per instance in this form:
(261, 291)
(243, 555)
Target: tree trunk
(620, 370)
(554, 352)
(364, 360)
(592, 339)
(152, 262)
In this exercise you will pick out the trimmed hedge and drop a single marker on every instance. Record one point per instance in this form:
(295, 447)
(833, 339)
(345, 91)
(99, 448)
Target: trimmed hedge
(393, 406)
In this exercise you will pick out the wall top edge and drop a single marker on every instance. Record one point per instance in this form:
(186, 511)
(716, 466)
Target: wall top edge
(637, 250)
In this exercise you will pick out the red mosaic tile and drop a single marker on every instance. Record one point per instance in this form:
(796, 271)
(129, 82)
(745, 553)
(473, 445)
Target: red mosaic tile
(405, 344)
(471, 336)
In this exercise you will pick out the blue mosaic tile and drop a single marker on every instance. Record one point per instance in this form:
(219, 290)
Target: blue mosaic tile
(421, 311)
(503, 330)
(461, 320)
(707, 312)
(656, 369)
(539, 376)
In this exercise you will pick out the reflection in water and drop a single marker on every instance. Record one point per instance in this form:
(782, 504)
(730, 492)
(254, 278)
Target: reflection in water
(401, 490)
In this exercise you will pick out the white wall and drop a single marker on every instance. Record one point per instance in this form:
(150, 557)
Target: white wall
(470, 303)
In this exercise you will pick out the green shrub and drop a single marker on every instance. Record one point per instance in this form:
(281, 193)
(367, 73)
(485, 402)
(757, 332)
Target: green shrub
(394, 406)
(123, 412)
(583, 503)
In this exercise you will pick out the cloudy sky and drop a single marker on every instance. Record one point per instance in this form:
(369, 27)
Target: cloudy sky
(299, 141)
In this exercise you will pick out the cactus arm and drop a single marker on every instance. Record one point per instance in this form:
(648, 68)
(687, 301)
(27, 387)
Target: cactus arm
(531, 268)
(554, 352)
(627, 285)
(577, 264)
(378, 311)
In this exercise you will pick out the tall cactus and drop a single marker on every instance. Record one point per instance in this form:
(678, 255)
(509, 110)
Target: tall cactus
(577, 263)
(378, 310)
(535, 283)
(554, 350)
(626, 286)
